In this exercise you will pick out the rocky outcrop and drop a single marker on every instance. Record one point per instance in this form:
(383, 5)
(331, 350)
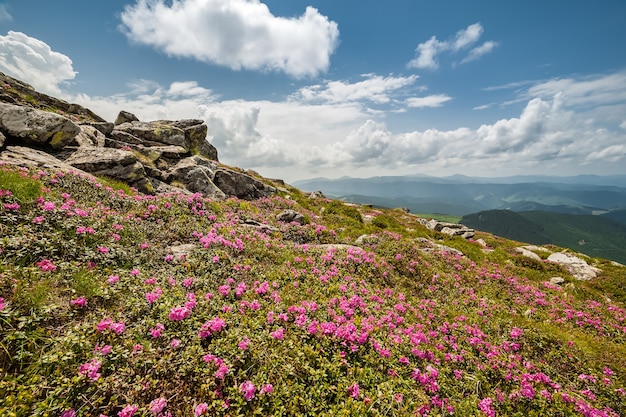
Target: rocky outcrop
(291, 216)
(450, 229)
(32, 126)
(576, 266)
(159, 156)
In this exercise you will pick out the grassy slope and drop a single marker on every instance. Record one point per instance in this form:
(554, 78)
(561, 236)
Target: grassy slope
(98, 317)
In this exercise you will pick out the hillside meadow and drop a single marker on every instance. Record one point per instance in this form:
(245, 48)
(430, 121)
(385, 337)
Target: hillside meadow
(114, 303)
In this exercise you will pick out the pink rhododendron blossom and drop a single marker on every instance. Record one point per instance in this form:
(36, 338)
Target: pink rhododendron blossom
(118, 328)
(11, 206)
(104, 324)
(278, 334)
(212, 326)
(137, 348)
(157, 405)
(221, 372)
(353, 391)
(90, 369)
(156, 332)
(243, 345)
(175, 343)
(48, 206)
(486, 406)
(46, 265)
(179, 313)
(200, 409)
(2, 303)
(128, 411)
(266, 389)
(39, 219)
(134, 272)
(516, 332)
(79, 302)
(113, 279)
(248, 390)
(69, 413)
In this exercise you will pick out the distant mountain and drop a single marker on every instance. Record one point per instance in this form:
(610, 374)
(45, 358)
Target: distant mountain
(461, 195)
(596, 236)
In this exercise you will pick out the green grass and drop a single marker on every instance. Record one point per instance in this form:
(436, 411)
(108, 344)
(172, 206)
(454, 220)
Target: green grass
(23, 187)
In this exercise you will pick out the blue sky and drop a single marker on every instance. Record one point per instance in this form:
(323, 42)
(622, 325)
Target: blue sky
(300, 89)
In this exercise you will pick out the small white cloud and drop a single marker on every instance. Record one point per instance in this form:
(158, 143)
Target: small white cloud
(234, 33)
(479, 51)
(435, 100)
(5, 16)
(483, 106)
(374, 88)
(427, 51)
(34, 62)
(623, 125)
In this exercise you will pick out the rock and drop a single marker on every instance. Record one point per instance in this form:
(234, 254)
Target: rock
(160, 132)
(180, 252)
(2, 139)
(432, 247)
(576, 266)
(528, 253)
(89, 136)
(160, 187)
(557, 280)
(289, 216)
(196, 174)
(196, 133)
(316, 194)
(366, 239)
(36, 126)
(241, 185)
(115, 163)
(125, 117)
(32, 158)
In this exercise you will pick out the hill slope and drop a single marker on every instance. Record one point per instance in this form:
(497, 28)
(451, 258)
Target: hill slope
(115, 303)
(593, 235)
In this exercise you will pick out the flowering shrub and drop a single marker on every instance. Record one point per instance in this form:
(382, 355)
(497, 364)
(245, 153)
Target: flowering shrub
(98, 316)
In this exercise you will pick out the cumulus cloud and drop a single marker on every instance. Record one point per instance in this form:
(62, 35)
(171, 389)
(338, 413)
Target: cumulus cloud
(374, 88)
(234, 33)
(33, 61)
(435, 100)
(428, 51)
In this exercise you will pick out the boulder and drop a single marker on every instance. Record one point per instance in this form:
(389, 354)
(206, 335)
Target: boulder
(576, 266)
(557, 280)
(289, 216)
(528, 253)
(115, 163)
(36, 126)
(196, 133)
(2, 139)
(241, 185)
(196, 174)
(433, 247)
(158, 131)
(32, 158)
(125, 117)
(89, 136)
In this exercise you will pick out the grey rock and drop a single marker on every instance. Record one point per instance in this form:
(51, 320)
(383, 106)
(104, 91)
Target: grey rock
(160, 132)
(125, 117)
(2, 139)
(36, 126)
(557, 280)
(528, 253)
(32, 158)
(289, 216)
(576, 266)
(115, 163)
(240, 185)
(89, 136)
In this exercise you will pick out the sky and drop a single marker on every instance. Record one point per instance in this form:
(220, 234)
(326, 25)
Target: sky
(301, 89)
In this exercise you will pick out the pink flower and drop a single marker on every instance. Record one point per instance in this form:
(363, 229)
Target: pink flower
(248, 390)
(48, 206)
(144, 245)
(516, 332)
(486, 406)
(200, 409)
(134, 272)
(266, 389)
(224, 290)
(2, 303)
(106, 349)
(169, 257)
(175, 343)
(103, 249)
(243, 345)
(278, 334)
(90, 369)
(137, 348)
(156, 332)
(157, 405)
(128, 411)
(113, 279)
(11, 206)
(69, 413)
(104, 324)
(212, 326)
(46, 265)
(353, 390)
(39, 219)
(118, 328)
(79, 302)
(179, 313)
(221, 372)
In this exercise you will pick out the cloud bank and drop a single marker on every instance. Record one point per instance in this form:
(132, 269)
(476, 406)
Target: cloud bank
(239, 34)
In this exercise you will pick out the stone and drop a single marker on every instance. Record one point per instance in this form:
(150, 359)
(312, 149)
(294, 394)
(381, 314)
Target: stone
(576, 266)
(158, 131)
(433, 247)
(528, 253)
(114, 163)
(240, 185)
(316, 194)
(557, 280)
(89, 136)
(125, 117)
(180, 252)
(291, 216)
(32, 158)
(36, 126)
(2, 139)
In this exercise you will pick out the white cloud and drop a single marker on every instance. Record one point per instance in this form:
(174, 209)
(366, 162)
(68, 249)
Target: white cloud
(435, 100)
(31, 60)
(427, 51)
(234, 33)
(5, 16)
(374, 88)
